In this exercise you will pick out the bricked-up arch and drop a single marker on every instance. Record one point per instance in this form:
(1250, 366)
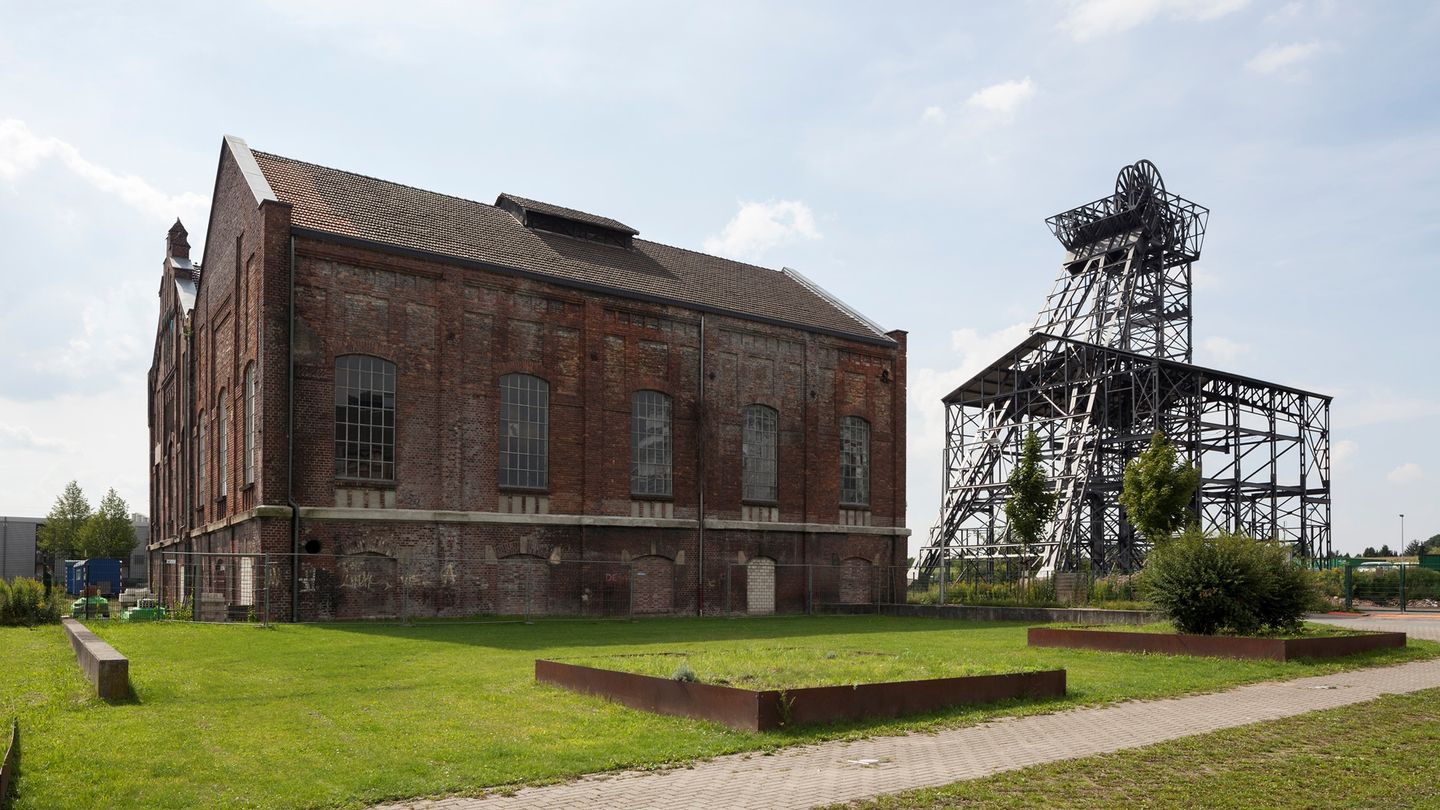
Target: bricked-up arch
(364, 417)
(857, 581)
(653, 578)
(760, 586)
(522, 585)
(524, 432)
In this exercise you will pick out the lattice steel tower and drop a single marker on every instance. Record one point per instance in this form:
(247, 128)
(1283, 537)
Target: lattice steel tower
(1107, 363)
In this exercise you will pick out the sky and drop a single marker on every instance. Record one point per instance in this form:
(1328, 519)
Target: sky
(903, 155)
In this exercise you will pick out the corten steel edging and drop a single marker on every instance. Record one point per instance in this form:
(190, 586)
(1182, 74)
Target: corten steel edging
(765, 710)
(737, 708)
(1269, 649)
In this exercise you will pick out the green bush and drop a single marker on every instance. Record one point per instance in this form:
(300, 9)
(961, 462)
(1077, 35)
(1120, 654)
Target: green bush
(23, 602)
(1230, 583)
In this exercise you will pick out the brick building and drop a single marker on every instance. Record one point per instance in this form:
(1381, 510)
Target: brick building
(365, 373)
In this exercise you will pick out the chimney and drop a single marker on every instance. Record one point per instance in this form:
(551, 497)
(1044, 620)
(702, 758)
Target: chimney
(177, 246)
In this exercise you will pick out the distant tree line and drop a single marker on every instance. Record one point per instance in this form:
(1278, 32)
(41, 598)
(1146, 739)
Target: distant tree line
(1413, 549)
(74, 531)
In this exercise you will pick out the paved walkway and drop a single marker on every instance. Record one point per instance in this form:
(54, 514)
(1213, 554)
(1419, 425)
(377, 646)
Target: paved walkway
(841, 771)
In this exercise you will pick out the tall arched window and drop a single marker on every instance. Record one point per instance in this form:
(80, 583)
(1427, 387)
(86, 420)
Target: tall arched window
(651, 457)
(524, 432)
(759, 454)
(249, 459)
(854, 461)
(203, 466)
(364, 418)
(222, 438)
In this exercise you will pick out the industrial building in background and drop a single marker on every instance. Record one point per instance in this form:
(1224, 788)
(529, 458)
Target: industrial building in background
(1107, 363)
(370, 399)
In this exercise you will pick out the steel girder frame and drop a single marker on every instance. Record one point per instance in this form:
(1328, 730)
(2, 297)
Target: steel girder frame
(1263, 452)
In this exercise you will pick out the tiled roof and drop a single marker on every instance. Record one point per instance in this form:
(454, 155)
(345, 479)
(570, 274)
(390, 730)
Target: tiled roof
(360, 207)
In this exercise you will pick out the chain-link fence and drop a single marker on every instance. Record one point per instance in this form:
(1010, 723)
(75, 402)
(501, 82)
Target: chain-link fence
(1384, 586)
(762, 587)
(233, 587)
(1005, 582)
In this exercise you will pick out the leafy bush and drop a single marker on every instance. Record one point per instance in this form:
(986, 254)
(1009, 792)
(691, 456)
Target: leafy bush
(684, 674)
(1230, 583)
(23, 602)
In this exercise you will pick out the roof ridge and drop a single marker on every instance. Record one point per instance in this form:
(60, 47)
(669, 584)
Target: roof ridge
(373, 177)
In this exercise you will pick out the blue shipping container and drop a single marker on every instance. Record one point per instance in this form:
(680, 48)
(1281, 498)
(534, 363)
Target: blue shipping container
(102, 572)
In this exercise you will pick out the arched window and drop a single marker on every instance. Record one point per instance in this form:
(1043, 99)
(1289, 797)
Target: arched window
(203, 466)
(854, 461)
(222, 438)
(759, 454)
(524, 432)
(249, 459)
(364, 418)
(651, 457)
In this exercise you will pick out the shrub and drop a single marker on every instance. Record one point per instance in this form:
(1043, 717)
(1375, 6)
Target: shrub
(1230, 583)
(23, 602)
(684, 674)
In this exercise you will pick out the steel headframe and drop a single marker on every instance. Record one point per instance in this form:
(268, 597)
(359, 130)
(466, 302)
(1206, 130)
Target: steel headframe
(1107, 364)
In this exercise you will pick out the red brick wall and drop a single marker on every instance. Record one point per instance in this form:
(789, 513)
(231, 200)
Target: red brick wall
(452, 331)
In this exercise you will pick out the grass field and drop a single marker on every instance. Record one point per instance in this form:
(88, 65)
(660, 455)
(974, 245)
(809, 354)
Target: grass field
(793, 667)
(351, 714)
(1380, 754)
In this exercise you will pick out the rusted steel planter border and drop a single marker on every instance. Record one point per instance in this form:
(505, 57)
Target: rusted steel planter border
(765, 710)
(1267, 649)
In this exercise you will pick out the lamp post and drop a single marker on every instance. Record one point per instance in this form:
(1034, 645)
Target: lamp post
(1400, 551)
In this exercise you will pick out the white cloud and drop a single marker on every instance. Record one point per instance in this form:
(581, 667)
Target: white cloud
(1341, 454)
(760, 226)
(19, 437)
(1222, 352)
(1092, 18)
(23, 151)
(1281, 57)
(1003, 98)
(1407, 473)
(933, 115)
(1379, 407)
(926, 424)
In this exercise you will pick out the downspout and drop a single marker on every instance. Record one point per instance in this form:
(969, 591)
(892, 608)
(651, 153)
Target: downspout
(290, 449)
(700, 478)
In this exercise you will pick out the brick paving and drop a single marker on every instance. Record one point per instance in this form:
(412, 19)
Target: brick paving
(839, 771)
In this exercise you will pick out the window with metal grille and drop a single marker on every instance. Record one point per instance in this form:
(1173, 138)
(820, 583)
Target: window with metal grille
(222, 432)
(759, 456)
(651, 458)
(250, 424)
(203, 465)
(854, 461)
(524, 432)
(364, 418)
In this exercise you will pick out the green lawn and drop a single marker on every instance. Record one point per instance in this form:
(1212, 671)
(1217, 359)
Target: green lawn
(1380, 754)
(350, 714)
(791, 667)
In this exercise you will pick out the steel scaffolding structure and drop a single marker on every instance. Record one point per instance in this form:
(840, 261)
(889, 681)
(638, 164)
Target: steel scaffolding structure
(1107, 363)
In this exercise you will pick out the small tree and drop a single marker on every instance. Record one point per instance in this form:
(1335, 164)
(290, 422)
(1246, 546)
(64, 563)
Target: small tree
(1031, 503)
(62, 533)
(109, 532)
(1158, 490)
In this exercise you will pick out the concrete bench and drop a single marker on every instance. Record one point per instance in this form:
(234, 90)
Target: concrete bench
(102, 664)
